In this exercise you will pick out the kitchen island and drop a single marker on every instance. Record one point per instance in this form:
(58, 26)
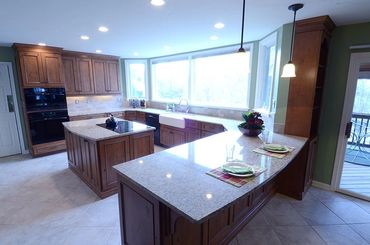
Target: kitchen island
(168, 198)
(93, 149)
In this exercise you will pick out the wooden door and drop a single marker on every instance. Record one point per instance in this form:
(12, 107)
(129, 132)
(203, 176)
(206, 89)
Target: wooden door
(112, 152)
(142, 144)
(84, 76)
(112, 73)
(100, 76)
(69, 75)
(165, 136)
(52, 66)
(31, 69)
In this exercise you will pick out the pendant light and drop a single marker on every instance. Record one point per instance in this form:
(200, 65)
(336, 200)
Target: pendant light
(289, 68)
(241, 49)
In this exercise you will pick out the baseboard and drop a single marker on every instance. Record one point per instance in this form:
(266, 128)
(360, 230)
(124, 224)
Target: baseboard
(321, 185)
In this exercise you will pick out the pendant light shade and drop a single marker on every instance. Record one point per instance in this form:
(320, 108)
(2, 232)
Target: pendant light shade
(289, 68)
(241, 49)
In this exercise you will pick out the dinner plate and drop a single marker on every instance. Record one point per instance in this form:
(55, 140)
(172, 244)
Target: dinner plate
(236, 169)
(267, 148)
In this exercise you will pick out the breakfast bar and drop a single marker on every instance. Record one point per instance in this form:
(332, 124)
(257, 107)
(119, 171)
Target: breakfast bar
(170, 197)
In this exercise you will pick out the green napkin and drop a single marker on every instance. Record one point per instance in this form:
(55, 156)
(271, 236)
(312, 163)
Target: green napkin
(237, 169)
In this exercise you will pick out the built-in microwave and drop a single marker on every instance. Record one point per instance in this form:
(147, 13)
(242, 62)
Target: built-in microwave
(37, 99)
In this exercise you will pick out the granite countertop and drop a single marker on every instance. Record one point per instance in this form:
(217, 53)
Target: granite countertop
(177, 176)
(88, 129)
(229, 124)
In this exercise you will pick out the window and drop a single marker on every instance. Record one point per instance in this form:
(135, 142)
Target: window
(266, 73)
(136, 78)
(170, 80)
(221, 80)
(217, 78)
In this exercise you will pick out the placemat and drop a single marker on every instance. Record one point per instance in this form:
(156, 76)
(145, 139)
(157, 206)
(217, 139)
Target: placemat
(235, 181)
(260, 150)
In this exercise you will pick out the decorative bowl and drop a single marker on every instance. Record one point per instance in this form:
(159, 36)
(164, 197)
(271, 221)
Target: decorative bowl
(250, 132)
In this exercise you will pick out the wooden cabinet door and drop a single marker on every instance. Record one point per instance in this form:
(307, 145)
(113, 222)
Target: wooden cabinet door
(52, 64)
(142, 144)
(112, 152)
(170, 136)
(130, 115)
(140, 117)
(178, 137)
(31, 69)
(112, 77)
(192, 134)
(84, 76)
(100, 76)
(69, 75)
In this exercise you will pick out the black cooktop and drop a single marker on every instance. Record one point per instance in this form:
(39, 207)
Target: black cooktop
(122, 127)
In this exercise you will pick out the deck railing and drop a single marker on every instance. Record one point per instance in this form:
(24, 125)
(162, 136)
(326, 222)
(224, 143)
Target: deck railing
(360, 133)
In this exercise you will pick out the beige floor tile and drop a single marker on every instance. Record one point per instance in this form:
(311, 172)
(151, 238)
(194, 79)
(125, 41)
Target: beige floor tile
(259, 235)
(339, 235)
(363, 230)
(294, 235)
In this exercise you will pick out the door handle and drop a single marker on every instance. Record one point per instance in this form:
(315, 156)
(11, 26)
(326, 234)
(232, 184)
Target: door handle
(9, 98)
(348, 130)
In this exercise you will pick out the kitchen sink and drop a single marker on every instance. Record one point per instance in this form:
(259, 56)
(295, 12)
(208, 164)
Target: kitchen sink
(172, 119)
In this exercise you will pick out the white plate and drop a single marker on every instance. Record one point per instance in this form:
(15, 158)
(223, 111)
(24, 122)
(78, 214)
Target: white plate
(239, 175)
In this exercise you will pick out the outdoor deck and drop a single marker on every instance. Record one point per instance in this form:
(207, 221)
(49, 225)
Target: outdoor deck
(356, 178)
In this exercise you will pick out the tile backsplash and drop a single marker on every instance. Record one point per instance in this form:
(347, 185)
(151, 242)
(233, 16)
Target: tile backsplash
(100, 103)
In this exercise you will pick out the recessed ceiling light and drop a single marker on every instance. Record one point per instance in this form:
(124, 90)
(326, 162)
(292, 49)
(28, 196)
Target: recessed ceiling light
(42, 44)
(166, 47)
(219, 25)
(157, 2)
(84, 37)
(136, 53)
(98, 51)
(103, 29)
(213, 38)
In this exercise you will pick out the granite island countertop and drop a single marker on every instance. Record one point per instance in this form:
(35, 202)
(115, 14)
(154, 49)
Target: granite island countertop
(89, 129)
(178, 176)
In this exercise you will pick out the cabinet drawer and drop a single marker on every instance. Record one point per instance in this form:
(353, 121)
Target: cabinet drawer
(130, 115)
(211, 127)
(192, 124)
(140, 117)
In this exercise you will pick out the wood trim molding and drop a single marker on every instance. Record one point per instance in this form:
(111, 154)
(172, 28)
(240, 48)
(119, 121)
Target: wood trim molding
(322, 185)
(321, 23)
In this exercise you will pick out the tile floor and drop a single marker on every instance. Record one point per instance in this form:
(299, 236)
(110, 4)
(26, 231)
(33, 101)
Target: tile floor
(43, 202)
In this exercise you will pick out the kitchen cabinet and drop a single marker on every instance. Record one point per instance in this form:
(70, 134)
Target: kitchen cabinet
(140, 117)
(92, 160)
(310, 53)
(130, 115)
(171, 136)
(84, 82)
(90, 74)
(193, 134)
(39, 66)
(106, 76)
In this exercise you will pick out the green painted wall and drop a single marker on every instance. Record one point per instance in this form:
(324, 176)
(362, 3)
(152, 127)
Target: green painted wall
(7, 54)
(334, 92)
(283, 45)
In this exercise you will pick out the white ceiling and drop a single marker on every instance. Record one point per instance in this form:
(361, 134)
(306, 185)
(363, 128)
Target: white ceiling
(137, 26)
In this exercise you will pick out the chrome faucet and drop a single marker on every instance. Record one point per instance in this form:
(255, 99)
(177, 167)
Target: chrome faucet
(183, 107)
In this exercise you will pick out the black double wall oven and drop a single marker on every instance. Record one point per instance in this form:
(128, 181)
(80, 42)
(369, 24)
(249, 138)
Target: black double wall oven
(46, 110)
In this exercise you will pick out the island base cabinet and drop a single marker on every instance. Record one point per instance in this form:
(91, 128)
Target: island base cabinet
(92, 161)
(147, 221)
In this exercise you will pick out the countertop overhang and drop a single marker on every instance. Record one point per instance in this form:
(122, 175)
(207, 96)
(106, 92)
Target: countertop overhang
(88, 129)
(178, 176)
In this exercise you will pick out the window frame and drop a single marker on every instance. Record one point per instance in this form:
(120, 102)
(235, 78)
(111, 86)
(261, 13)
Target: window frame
(127, 63)
(200, 54)
(264, 44)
